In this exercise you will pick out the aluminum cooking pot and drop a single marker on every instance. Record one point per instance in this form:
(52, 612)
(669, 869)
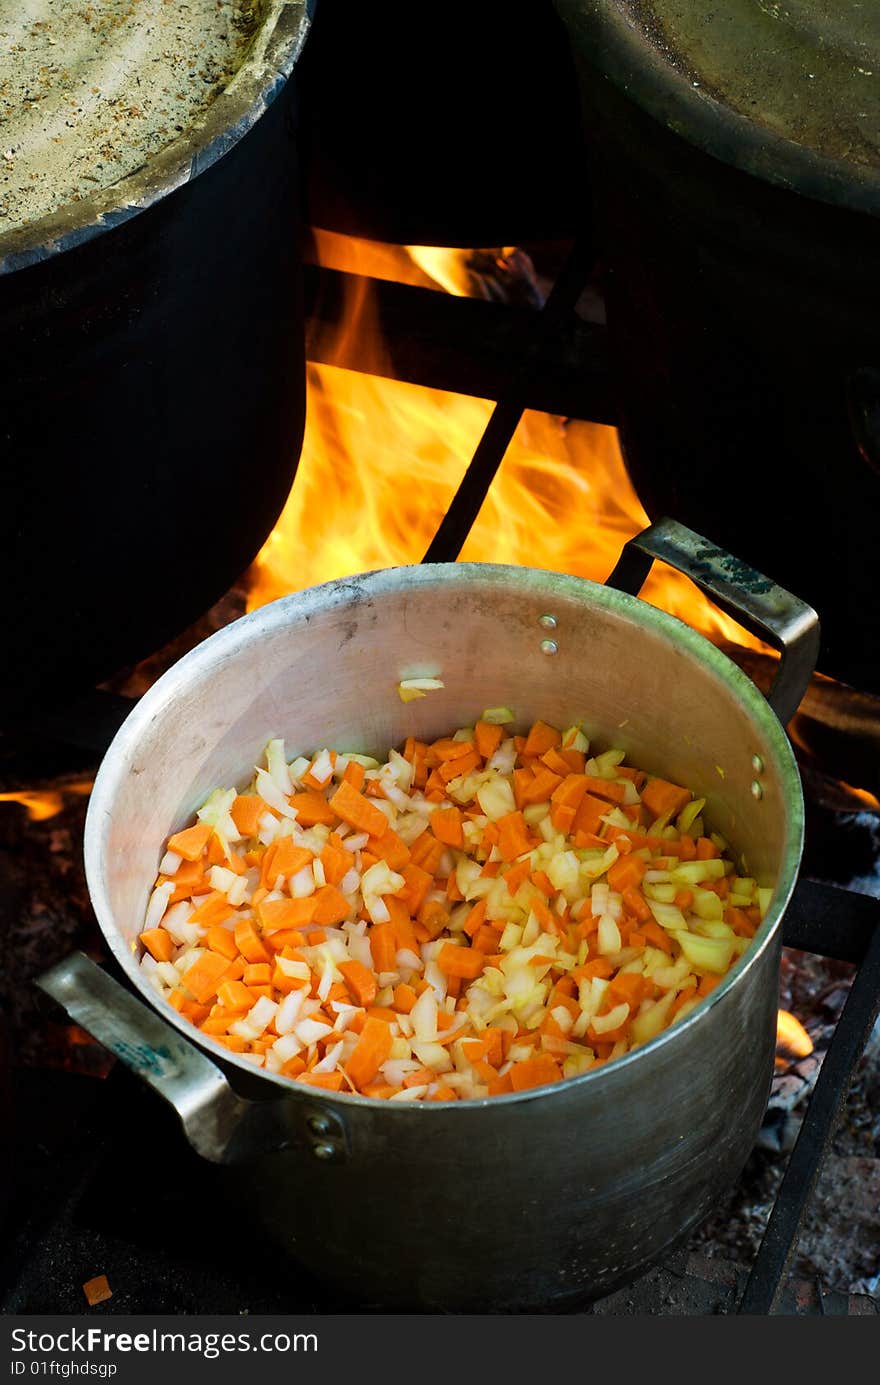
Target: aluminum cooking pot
(539, 1199)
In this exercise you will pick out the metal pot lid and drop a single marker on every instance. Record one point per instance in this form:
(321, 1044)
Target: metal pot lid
(107, 105)
(785, 89)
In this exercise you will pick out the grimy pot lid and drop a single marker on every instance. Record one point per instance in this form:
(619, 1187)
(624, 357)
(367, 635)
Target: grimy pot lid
(786, 89)
(106, 105)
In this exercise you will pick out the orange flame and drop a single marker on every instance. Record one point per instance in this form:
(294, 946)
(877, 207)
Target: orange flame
(869, 801)
(381, 460)
(42, 805)
(792, 1039)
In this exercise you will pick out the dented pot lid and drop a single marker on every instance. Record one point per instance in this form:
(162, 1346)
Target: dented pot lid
(106, 107)
(788, 90)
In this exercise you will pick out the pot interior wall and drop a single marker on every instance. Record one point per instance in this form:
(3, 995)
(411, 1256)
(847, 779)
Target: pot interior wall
(320, 669)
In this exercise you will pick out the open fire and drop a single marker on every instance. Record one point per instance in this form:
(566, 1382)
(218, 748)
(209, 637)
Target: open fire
(382, 459)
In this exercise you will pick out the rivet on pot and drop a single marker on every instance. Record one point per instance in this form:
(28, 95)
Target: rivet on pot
(549, 647)
(324, 1151)
(757, 764)
(757, 789)
(319, 1125)
(548, 622)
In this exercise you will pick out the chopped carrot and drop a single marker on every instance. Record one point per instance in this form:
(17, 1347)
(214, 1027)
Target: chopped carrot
(544, 784)
(739, 921)
(487, 738)
(330, 1081)
(203, 977)
(502, 1085)
(331, 906)
(454, 769)
(246, 811)
(216, 854)
(234, 995)
(446, 824)
(556, 763)
(191, 842)
(513, 836)
(285, 913)
(514, 877)
(599, 966)
(571, 791)
(635, 902)
(383, 946)
(287, 859)
(589, 815)
(433, 917)
(354, 775)
(475, 918)
(361, 983)
(336, 862)
(215, 908)
(626, 873)
(249, 942)
(631, 987)
(418, 882)
(426, 852)
(662, 798)
(351, 805)
(404, 998)
(371, 1051)
(460, 961)
(656, 936)
(312, 808)
(379, 1090)
(541, 738)
(608, 789)
(534, 1072)
(391, 848)
(486, 939)
(257, 974)
(159, 943)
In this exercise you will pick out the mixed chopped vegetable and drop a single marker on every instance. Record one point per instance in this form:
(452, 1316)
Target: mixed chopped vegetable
(480, 915)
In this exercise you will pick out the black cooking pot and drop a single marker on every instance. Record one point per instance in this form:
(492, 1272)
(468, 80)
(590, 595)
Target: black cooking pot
(443, 127)
(742, 252)
(152, 388)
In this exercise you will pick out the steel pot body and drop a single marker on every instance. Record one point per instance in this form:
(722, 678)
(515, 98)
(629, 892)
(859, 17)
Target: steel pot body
(535, 1200)
(152, 390)
(742, 279)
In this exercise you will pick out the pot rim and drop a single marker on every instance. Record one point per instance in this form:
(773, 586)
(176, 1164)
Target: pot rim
(268, 63)
(621, 52)
(298, 608)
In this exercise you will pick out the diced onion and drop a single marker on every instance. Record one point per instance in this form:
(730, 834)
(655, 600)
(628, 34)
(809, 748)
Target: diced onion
(158, 904)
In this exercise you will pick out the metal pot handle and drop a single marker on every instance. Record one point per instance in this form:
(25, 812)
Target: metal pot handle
(220, 1125)
(769, 611)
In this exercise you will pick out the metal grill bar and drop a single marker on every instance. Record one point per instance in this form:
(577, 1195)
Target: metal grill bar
(830, 921)
(468, 499)
(769, 1272)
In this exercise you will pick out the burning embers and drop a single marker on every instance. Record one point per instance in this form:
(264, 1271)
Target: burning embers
(792, 1040)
